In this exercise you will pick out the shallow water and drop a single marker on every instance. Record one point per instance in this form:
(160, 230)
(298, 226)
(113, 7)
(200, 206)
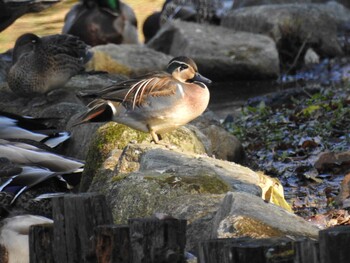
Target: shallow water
(228, 97)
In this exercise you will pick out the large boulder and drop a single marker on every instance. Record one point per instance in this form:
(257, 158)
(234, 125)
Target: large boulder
(223, 145)
(112, 138)
(127, 59)
(220, 53)
(308, 25)
(245, 3)
(242, 214)
(145, 179)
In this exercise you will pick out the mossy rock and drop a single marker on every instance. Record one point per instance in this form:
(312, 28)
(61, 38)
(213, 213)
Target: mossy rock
(142, 194)
(114, 137)
(198, 184)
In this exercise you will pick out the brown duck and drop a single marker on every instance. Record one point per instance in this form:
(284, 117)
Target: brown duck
(99, 22)
(155, 103)
(42, 64)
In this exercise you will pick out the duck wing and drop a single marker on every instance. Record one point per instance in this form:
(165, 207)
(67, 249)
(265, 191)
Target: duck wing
(31, 176)
(13, 126)
(134, 92)
(25, 154)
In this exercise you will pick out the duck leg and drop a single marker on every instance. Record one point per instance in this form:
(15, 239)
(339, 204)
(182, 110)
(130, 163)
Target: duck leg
(157, 140)
(155, 137)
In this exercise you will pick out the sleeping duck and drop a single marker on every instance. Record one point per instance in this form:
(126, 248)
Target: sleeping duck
(98, 22)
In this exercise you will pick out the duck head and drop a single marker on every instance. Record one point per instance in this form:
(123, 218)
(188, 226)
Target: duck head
(24, 44)
(185, 70)
(113, 5)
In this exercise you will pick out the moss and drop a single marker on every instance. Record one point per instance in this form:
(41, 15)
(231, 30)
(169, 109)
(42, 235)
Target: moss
(108, 137)
(185, 139)
(199, 184)
(247, 226)
(118, 178)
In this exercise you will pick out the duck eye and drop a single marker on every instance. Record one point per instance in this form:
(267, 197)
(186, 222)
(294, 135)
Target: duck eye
(182, 67)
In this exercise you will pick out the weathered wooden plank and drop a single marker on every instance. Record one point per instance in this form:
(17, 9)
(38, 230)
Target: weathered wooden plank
(155, 240)
(40, 244)
(306, 251)
(112, 244)
(246, 250)
(75, 217)
(59, 233)
(334, 244)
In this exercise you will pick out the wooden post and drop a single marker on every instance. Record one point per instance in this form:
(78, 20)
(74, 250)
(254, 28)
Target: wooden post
(40, 244)
(155, 240)
(75, 217)
(246, 250)
(334, 244)
(216, 250)
(306, 251)
(112, 244)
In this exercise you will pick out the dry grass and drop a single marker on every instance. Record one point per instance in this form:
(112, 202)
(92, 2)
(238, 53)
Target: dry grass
(50, 21)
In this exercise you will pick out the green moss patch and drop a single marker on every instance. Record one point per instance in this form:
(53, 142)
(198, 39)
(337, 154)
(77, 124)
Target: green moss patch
(200, 184)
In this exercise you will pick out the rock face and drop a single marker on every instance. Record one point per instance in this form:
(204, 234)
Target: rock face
(259, 220)
(220, 53)
(145, 179)
(314, 24)
(222, 145)
(130, 60)
(112, 138)
(245, 3)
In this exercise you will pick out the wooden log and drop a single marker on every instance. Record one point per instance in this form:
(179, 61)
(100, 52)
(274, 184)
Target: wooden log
(334, 244)
(246, 250)
(40, 244)
(75, 217)
(155, 240)
(306, 251)
(112, 244)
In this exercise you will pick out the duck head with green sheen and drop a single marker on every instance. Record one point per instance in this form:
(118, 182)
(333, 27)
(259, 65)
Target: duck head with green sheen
(156, 103)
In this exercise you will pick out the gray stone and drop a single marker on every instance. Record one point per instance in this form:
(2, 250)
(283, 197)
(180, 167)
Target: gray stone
(224, 145)
(314, 24)
(111, 139)
(91, 81)
(220, 53)
(130, 60)
(243, 214)
(246, 3)
(146, 179)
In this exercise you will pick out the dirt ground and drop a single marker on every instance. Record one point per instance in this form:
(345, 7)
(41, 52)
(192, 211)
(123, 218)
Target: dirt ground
(50, 21)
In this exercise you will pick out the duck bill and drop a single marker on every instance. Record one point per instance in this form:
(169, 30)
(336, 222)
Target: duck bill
(198, 77)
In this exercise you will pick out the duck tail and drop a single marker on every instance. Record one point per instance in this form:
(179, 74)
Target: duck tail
(56, 139)
(99, 111)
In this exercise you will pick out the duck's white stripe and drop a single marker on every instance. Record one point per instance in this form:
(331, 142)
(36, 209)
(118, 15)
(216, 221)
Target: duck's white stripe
(142, 86)
(114, 110)
(179, 86)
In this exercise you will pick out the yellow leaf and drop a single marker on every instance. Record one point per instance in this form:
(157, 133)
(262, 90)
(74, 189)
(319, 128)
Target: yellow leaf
(272, 191)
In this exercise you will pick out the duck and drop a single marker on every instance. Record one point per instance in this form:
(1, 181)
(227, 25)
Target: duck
(154, 103)
(99, 22)
(40, 65)
(28, 171)
(17, 127)
(11, 10)
(14, 236)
